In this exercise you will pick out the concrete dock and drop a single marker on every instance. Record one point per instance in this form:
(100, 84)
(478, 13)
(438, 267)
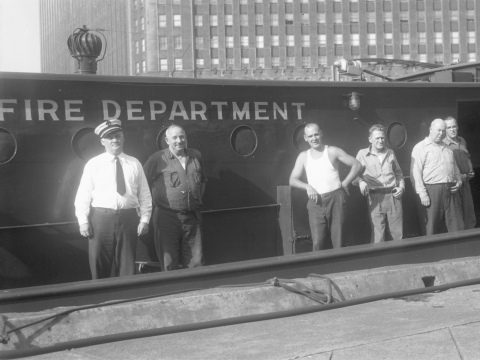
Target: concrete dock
(440, 325)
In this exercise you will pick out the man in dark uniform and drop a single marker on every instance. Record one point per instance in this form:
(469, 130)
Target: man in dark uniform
(113, 193)
(176, 177)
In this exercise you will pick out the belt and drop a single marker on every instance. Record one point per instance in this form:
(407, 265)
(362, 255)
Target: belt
(386, 190)
(112, 211)
(185, 212)
(324, 195)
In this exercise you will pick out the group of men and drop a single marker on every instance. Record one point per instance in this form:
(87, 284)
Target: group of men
(116, 194)
(114, 203)
(440, 174)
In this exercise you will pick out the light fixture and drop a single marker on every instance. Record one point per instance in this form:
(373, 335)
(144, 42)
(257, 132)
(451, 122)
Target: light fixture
(353, 100)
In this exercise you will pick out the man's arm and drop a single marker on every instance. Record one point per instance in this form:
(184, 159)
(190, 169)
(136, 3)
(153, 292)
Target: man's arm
(359, 181)
(82, 202)
(399, 180)
(145, 201)
(416, 175)
(297, 174)
(355, 166)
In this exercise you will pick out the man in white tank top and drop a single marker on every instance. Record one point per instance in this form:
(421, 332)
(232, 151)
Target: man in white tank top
(326, 192)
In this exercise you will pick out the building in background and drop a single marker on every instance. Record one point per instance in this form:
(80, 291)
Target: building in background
(263, 39)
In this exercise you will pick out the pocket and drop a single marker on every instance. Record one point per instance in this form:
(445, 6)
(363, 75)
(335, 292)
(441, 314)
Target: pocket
(197, 177)
(172, 179)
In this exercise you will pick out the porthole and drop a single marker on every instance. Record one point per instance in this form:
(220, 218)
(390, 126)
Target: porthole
(8, 146)
(86, 144)
(299, 139)
(244, 140)
(396, 134)
(161, 143)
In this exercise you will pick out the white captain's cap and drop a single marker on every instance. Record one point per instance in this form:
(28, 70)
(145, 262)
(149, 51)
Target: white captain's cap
(108, 127)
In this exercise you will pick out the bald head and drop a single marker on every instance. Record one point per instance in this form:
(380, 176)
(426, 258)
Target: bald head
(437, 131)
(311, 126)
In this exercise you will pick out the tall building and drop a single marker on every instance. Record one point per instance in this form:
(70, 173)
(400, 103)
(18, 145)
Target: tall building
(264, 39)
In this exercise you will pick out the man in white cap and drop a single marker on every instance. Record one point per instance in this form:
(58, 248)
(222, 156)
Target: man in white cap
(112, 195)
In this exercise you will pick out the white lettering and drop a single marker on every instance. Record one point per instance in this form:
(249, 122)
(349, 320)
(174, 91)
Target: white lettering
(69, 110)
(259, 110)
(241, 113)
(131, 110)
(3, 109)
(219, 105)
(277, 109)
(106, 104)
(52, 111)
(28, 110)
(201, 113)
(299, 110)
(180, 112)
(153, 111)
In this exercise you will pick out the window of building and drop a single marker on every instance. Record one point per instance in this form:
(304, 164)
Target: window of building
(290, 61)
(289, 19)
(371, 39)
(454, 15)
(214, 42)
(370, 6)
(198, 20)
(472, 57)
(422, 38)
(322, 60)
(243, 19)
(387, 16)
(199, 43)
(136, 25)
(471, 37)
(274, 19)
(305, 19)
(177, 20)
(259, 19)
(215, 63)
(178, 64)
(454, 36)
(142, 23)
(230, 62)
(229, 41)
(405, 56)
(177, 41)
(439, 59)
(137, 68)
(405, 38)
(137, 48)
(355, 39)
(388, 39)
(275, 40)
(213, 20)
(290, 40)
(163, 65)
(322, 39)
(162, 42)
(261, 63)
(259, 41)
(245, 62)
(228, 20)
(144, 66)
(305, 40)
(199, 63)
(244, 41)
(275, 61)
(162, 21)
(338, 39)
(197, 2)
(143, 45)
(470, 25)
(321, 18)
(306, 61)
(422, 58)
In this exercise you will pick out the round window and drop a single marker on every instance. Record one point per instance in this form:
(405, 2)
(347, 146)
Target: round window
(86, 144)
(299, 139)
(244, 140)
(161, 143)
(8, 146)
(396, 134)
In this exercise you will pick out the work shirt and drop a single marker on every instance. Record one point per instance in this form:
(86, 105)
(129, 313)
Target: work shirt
(98, 187)
(174, 187)
(432, 164)
(461, 154)
(380, 172)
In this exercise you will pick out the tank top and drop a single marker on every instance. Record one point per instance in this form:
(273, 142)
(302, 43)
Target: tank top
(321, 174)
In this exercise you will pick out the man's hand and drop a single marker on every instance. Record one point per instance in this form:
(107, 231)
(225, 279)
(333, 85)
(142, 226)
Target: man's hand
(469, 175)
(425, 200)
(363, 187)
(345, 187)
(398, 192)
(86, 230)
(455, 188)
(312, 193)
(142, 228)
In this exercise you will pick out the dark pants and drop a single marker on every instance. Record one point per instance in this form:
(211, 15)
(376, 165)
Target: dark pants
(327, 216)
(114, 243)
(178, 238)
(445, 208)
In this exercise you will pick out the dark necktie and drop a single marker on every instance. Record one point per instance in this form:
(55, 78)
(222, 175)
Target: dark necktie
(120, 177)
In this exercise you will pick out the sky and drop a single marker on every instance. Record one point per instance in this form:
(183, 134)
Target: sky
(19, 35)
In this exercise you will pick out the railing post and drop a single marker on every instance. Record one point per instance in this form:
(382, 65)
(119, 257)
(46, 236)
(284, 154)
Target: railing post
(285, 218)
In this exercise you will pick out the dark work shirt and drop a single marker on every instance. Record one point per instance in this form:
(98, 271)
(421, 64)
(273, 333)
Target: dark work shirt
(174, 187)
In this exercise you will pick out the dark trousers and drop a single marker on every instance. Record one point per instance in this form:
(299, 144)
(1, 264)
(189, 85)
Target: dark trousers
(326, 217)
(445, 208)
(114, 243)
(178, 238)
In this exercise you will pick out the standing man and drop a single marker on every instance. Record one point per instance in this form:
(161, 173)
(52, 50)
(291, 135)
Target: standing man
(177, 179)
(382, 182)
(459, 147)
(436, 179)
(326, 193)
(113, 193)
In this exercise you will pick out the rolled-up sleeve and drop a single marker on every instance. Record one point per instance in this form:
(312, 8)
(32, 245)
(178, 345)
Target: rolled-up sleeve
(84, 196)
(416, 171)
(144, 196)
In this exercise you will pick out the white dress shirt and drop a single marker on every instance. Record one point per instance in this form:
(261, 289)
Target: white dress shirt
(98, 187)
